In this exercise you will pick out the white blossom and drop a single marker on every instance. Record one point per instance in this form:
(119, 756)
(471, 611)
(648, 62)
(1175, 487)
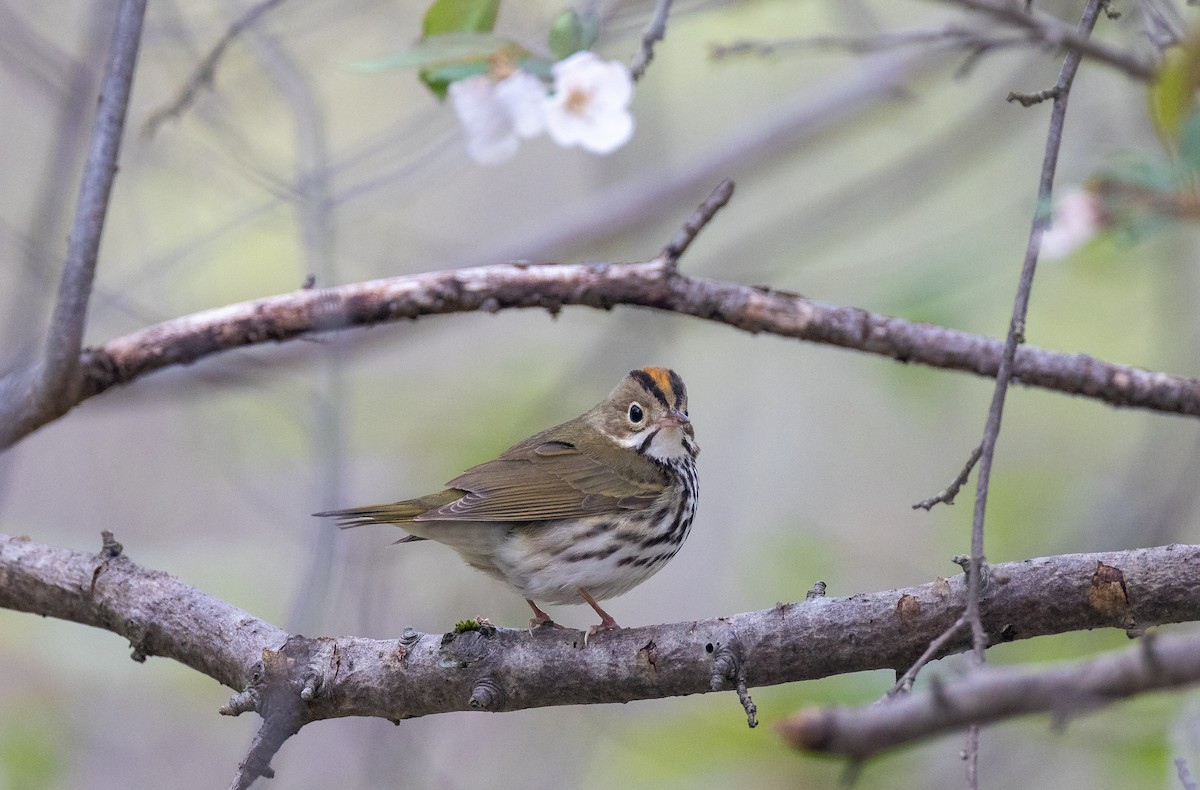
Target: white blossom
(1078, 216)
(522, 95)
(495, 114)
(589, 107)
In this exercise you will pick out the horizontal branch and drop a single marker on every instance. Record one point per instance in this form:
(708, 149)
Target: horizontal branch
(990, 694)
(291, 680)
(508, 669)
(652, 284)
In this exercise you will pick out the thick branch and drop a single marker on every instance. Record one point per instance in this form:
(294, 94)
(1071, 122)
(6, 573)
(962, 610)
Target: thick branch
(508, 669)
(990, 694)
(551, 287)
(159, 615)
(652, 284)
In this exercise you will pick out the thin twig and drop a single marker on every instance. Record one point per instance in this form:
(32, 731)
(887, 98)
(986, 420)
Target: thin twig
(1052, 31)
(656, 30)
(947, 494)
(696, 222)
(905, 682)
(950, 37)
(202, 75)
(1016, 336)
(58, 381)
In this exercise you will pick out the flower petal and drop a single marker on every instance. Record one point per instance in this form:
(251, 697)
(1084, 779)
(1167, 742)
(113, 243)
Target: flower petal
(491, 137)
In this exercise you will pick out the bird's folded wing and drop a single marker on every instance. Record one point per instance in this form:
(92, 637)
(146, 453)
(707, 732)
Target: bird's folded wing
(549, 480)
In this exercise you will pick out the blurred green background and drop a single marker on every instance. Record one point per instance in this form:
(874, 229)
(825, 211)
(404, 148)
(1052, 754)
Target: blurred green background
(882, 181)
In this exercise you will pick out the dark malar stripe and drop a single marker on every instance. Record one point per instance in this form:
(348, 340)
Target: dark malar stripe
(650, 385)
(645, 445)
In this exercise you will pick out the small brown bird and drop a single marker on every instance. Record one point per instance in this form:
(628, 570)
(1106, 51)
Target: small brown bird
(578, 513)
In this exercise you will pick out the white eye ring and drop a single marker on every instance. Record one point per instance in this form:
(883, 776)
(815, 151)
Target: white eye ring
(636, 413)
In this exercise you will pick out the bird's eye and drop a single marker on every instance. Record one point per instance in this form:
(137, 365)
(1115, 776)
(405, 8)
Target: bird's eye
(636, 415)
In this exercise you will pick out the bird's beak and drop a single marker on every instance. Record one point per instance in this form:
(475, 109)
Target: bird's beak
(674, 419)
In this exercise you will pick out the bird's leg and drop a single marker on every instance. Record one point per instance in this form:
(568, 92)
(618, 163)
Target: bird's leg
(607, 623)
(540, 618)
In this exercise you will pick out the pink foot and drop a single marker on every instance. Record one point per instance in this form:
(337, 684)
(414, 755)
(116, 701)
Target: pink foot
(540, 618)
(607, 623)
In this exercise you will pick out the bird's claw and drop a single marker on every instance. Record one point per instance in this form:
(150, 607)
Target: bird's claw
(608, 624)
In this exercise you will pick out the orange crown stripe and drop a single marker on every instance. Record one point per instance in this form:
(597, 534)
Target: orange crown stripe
(662, 377)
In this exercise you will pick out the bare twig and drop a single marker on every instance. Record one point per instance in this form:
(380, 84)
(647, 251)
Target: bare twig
(947, 494)
(947, 37)
(904, 683)
(202, 76)
(1050, 30)
(656, 30)
(1016, 336)
(1033, 27)
(56, 384)
(696, 222)
(991, 694)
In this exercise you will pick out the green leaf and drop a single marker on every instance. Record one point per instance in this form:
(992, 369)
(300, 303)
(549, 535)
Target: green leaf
(442, 49)
(438, 78)
(460, 16)
(572, 32)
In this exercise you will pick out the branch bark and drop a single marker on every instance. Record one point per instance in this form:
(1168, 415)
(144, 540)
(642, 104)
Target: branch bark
(508, 669)
(292, 680)
(652, 284)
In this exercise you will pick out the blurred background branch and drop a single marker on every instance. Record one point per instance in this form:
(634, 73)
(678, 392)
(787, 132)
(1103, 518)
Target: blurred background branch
(990, 694)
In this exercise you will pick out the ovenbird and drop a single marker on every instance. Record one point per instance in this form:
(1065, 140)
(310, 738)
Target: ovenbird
(578, 513)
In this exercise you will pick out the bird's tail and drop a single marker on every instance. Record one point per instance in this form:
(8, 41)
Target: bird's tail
(395, 513)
